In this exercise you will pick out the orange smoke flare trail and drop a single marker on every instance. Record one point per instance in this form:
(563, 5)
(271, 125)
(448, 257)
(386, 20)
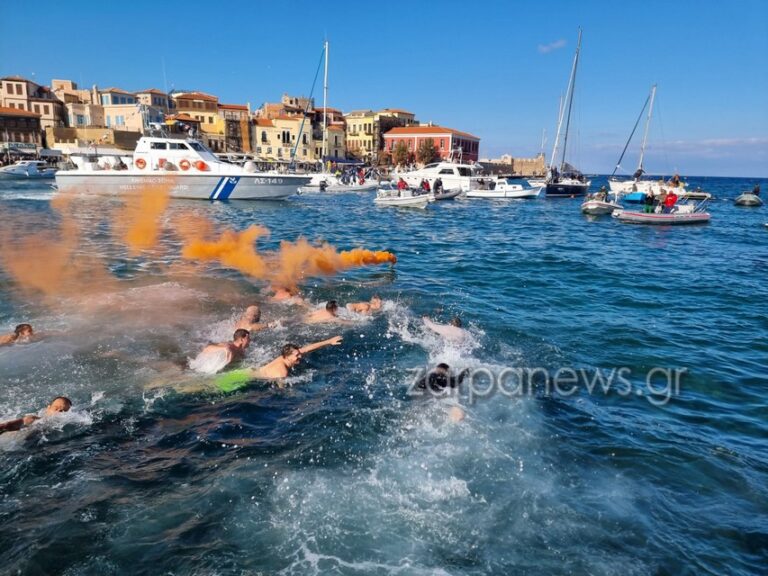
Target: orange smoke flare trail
(141, 216)
(233, 249)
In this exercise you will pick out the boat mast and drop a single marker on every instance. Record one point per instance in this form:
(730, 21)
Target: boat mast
(647, 124)
(571, 86)
(553, 159)
(325, 106)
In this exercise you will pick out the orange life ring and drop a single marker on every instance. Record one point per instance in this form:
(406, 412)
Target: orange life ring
(141, 163)
(184, 164)
(202, 166)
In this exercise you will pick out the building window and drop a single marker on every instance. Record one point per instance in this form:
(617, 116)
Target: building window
(45, 109)
(210, 119)
(21, 106)
(80, 120)
(263, 136)
(442, 144)
(9, 87)
(19, 89)
(37, 108)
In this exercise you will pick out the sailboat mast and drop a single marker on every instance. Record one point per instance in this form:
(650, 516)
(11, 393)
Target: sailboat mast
(553, 159)
(647, 124)
(325, 105)
(571, 88)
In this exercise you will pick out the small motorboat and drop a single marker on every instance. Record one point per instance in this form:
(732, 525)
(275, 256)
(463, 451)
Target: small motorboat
(24, 169)
(407, 198)
(504, 188)
(598, 204)
(680, 214)
(748, 199)
(596, 207)
(446, 194)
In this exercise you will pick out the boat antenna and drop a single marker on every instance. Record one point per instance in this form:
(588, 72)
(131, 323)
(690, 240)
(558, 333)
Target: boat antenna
(306, 108)
(637, 122)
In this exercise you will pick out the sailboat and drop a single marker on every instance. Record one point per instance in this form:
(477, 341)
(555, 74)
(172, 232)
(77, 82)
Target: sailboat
(566, 180)
(635, 189)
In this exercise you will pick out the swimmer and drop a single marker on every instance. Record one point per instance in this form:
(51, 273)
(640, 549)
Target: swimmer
(328, 314)
(251, 320)
(365, 307)
(452, 331)
(440, 378)
(287, 295)
(23, 333)
(215, 357)
(290, 356)
(59, 404)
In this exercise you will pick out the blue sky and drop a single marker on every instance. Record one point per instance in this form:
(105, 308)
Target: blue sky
(494, 69)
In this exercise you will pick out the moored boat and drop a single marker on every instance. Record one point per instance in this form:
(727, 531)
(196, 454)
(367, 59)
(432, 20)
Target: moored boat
(504, 188)
(680, 214)
(187, 167)
(748, 199)
(27, 169)
(391, 196)
(567, 181)
(595, 207)
(445, 194)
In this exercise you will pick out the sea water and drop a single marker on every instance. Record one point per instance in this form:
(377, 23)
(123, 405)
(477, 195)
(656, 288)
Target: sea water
(616, 412)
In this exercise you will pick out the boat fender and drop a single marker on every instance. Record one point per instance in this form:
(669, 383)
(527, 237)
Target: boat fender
(202, 166)
(140, 163)
(184, 164)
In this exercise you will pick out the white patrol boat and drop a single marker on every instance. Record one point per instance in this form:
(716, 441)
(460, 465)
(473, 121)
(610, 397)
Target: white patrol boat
(189, 168)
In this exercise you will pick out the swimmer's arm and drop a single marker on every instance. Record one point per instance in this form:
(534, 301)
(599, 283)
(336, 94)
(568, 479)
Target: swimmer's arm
(335, 341)
(433, 326)
(7, 339)
(357, 307)
(18, 424)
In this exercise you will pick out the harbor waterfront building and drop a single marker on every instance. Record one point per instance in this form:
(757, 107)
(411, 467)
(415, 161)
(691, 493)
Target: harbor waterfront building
(237, 127)
(447, 141)
(205, 109)
(366, 128)
(22, 94)
(19, 131)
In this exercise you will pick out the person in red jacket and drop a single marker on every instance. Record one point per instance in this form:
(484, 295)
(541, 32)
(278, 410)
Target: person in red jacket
(670, 201)
(402, 185)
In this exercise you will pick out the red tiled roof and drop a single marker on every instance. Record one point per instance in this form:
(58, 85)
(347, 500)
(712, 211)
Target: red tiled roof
(17, 79)
(396, 111)
(182, 117)
(263, 122)
(291, 118)
(151, 91)
(196, 96)
(415, 130)
(121, 91)
(234, 107)
(16, 112)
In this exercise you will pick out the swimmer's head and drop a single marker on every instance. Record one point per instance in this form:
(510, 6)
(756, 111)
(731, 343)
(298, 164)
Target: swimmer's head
(22, 332)
(332, 306)
(442, 367)
(241, 338)
(375, 302)
(291, 355)
(284, 291)
(252, 314)
(456, 321)
(59, 404)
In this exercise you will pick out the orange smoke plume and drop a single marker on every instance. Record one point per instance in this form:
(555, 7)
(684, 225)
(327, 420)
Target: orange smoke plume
(293, 262)
(140, 219)
(53, 261)
(234, 249)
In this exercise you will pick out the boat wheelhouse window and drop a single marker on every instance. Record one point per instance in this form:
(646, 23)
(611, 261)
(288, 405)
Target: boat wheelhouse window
(178, 146)
(465, 171)
(158, 145)
(197, 146)
(446, 171)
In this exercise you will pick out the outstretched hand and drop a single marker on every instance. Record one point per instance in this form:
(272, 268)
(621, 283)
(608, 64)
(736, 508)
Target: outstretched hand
(335, 341)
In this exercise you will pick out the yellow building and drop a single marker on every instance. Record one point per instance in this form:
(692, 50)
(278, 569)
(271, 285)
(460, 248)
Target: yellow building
(365, 130)
(205, 109)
